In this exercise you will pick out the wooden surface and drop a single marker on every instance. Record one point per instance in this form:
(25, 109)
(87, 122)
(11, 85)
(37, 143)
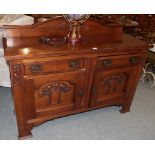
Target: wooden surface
(59, 79)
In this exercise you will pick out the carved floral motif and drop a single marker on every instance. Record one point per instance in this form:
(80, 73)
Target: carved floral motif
(50, 88)
(16, 74)
(114, 81)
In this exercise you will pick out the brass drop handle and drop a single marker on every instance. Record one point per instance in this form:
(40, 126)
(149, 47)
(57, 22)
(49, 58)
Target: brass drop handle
(74, 64)
(35, 68)
(133, 60)
(107, 62)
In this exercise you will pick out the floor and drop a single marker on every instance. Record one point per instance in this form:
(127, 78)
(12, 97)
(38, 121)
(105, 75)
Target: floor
(102, 124)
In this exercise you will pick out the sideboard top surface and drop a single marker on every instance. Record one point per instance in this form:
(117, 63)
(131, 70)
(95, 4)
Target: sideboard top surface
(24, 42)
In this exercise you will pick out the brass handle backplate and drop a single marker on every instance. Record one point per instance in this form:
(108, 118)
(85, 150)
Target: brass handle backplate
(107, 62)
(74, 64)
(35, 68)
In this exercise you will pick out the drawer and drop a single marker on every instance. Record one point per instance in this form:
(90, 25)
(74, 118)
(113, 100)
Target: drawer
(118, 61)
(53, 66)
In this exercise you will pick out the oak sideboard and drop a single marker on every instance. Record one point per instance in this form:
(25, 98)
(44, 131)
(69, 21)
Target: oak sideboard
(56, 78)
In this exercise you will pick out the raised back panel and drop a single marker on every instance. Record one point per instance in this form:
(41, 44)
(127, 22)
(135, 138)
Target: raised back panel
(58, 26)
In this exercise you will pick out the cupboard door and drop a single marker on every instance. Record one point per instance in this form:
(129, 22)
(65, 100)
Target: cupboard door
(110, 86)
(53, 93)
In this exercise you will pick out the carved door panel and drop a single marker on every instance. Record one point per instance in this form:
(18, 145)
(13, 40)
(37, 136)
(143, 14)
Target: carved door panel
(110, 85)
(53, 93)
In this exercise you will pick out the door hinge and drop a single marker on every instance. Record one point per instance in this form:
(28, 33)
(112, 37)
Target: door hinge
(81, 93)
(93, 91)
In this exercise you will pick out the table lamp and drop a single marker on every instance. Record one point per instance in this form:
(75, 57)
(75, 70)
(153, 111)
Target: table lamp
(75, 21)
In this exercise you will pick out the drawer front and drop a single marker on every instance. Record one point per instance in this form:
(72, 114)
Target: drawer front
(118, 61)
(54, 66)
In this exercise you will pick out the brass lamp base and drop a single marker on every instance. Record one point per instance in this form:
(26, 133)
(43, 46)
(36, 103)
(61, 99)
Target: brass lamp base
(73, 41)
(74, 34)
